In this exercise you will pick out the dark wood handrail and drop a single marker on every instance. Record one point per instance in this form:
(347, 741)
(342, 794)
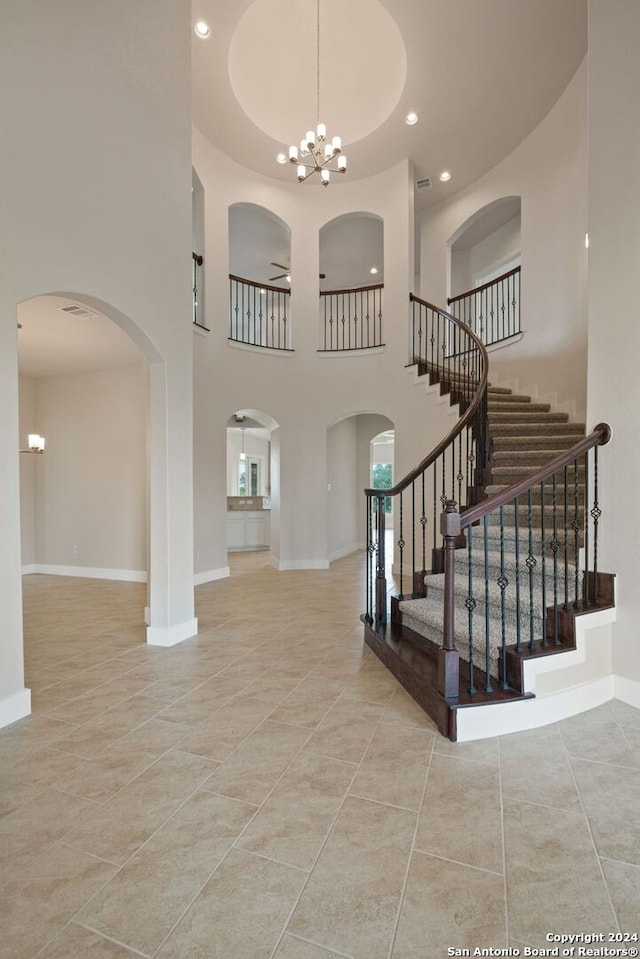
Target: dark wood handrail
(599, 437)
(462, 422)
(357, 289)
(485, 286)
(260, 286)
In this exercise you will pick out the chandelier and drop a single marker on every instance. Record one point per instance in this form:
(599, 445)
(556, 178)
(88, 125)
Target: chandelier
(318, 153)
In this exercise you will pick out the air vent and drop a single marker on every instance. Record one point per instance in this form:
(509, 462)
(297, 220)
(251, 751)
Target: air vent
(424, 184)
(79, 311)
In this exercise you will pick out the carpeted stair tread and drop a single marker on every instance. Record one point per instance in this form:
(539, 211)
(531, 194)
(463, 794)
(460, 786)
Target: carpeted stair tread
(515, 409)
(537, 428)
(531, 416)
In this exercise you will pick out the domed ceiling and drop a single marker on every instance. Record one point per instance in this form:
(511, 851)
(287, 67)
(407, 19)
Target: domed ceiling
(480, 74)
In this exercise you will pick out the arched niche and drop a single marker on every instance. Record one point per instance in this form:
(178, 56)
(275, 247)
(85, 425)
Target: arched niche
(258, 239)
(485, 245)
(351, 246)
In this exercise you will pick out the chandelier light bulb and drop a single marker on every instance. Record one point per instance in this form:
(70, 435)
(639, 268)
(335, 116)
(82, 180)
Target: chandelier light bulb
(342, 163)
(336, 144)
(293, 154)
(321, 132)
(325, 176)
(301, 172)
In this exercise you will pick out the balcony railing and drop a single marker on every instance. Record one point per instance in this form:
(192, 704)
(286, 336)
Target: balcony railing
(351, 319)
(492, 310)
(259, 314)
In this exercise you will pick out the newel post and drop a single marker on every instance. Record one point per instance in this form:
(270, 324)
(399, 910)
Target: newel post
(448, 673)
(381, 579)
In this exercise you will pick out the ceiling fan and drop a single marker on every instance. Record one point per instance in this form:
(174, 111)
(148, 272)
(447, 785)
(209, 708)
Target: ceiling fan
(287, 272)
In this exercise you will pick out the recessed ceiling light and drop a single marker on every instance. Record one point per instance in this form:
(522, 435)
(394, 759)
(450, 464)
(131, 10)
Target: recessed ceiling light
(445, 175)
(374, 269)
(411, 118)
(202, 30)
(281, 158)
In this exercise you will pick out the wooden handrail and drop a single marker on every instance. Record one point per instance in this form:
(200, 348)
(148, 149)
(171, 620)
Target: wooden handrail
(599, 437)
(357, 289)
(462, 422)
(260, 286)
(485, 286)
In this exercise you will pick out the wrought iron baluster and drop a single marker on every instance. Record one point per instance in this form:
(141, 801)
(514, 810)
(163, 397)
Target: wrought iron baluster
(516, 506)
(413, 538)
(470, 604)
(423, 523)
(503, 582)
(596, 513)
(545, 641)
(487, 639)
(566, 538)
(585, 520)
(555, 545)
(531, 563)
(576, 534)
(401, 546)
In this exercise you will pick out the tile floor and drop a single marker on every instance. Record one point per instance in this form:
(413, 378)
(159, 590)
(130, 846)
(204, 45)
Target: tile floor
(267, 790)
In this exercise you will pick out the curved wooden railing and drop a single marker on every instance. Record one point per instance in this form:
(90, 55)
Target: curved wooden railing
(259, 313)
(444, 349)
(531, 564)
(351, 319)
(492, 310)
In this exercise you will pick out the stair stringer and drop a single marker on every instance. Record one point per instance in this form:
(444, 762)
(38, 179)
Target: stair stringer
(563, 685)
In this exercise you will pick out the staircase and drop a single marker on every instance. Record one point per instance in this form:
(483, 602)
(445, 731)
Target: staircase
(508, 502)
(523, 436)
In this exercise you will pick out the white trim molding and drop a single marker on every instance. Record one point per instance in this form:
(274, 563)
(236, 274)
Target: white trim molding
(289, 564)
(210, 575)
(171, 635)
(89, 572)
(15, 707)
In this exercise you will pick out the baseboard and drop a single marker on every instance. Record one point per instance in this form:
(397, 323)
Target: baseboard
(15, 707)
(29, 569)
(627, 690)
(91, 572)
(288, 564)
(344, 551)
(171, 635)
(550, 705)
(210, 575)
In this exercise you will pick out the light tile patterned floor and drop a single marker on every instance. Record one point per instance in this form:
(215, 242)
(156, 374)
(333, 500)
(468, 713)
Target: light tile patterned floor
(267, 790)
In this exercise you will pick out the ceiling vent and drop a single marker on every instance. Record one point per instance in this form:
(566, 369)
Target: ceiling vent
(79, 311)
(424, 184)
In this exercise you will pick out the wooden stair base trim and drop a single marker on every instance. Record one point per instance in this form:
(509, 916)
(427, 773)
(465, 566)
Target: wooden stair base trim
(413, 660)
(566, 630)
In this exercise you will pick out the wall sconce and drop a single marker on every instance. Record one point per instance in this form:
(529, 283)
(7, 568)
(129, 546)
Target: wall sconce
(36, 444)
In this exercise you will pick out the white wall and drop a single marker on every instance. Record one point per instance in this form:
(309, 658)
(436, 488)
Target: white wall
(112, 227)
(303, 391)
(30, 464)
(92, 481)
(548, 171)
(492, 251)
(344, 497)
(614, 331)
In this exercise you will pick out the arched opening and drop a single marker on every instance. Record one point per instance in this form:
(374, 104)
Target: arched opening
(259, 277)
(351, 253)
(352, 451)
(484, 270)
(252, 482)
(92, 383)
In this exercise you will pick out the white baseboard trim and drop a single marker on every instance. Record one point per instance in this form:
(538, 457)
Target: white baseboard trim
(210, 575)
(627, 690)
(578, 696)
(29, 569)
(344, 551)
(91, 572)
(289, 564)
(171, 635)
(15, 707)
